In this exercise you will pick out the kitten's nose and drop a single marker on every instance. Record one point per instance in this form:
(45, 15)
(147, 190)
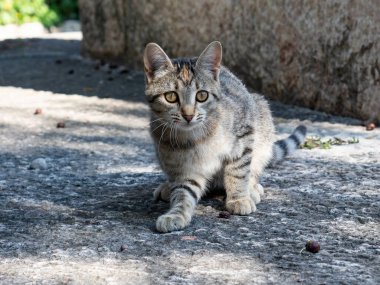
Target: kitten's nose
(188, 118)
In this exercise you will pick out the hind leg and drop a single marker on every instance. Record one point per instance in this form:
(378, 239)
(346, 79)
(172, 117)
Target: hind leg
(239, 200)
(259, 162)
(241, 179)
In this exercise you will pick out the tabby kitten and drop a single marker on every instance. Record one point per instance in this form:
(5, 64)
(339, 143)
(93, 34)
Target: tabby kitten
(209, 132)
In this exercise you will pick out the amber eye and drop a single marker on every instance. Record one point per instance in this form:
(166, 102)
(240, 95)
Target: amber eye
(202, 96)
(171, 97)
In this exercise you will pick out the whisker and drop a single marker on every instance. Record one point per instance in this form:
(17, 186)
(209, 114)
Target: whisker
(151, 122)
(170, 134)
(176, 134)
(158, 119)
(164, 130)
(160, 125)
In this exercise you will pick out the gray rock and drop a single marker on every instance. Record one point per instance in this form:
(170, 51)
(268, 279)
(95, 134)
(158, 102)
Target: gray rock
(38, 163)
(319, 54)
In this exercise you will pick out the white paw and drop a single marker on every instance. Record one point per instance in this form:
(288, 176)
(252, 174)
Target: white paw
(162, 192)
(256, 191)
(242, 206)
(171, 222)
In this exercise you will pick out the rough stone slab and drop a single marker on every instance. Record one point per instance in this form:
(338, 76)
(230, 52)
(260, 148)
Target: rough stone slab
(89, 218)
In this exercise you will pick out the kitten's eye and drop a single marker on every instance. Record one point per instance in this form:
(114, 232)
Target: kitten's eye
(202, 96)
(171, 97)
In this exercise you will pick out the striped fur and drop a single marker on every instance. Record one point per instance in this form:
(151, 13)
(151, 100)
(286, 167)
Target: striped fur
(286, 146)
(221, 141)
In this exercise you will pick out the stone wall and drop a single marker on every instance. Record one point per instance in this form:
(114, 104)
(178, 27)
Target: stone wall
(320, 54)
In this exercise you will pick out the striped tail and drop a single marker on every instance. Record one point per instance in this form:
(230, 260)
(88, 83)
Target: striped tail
(282, 148)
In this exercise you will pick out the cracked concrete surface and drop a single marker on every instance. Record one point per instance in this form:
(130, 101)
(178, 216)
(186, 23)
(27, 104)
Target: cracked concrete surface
(89, 217)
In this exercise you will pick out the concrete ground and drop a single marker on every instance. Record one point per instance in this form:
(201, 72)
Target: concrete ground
(88, 217)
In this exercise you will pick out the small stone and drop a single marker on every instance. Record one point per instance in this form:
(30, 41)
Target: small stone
(243, 230)
(3, 184)
(123, 247)
(61, 125)
(224, 215)
(123, 70)
(361, 220)
(312, 246)
(38, 163)
(38, 111)
(351, 175)
(370, 126)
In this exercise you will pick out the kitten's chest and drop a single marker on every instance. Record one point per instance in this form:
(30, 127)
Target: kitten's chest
(204, 158)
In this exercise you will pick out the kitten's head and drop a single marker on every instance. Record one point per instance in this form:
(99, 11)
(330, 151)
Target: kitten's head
(183, 92)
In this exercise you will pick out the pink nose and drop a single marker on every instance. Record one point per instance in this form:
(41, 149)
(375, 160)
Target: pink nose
(188, 118)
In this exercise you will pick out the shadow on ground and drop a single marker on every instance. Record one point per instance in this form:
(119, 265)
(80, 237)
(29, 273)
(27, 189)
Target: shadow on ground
(55, 65)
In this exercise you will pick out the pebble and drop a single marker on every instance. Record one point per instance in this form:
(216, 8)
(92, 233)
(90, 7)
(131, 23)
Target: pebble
(123, 70)
(123, 247)
(61, 125)
(39, 163)
(312, 246)
(243, 230)
(351, 175)
(224, 215)
(3, 184)
(370, 126)
(38, 111)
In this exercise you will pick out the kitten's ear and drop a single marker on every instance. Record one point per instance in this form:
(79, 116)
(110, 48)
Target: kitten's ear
(210, 59)
(156, 62)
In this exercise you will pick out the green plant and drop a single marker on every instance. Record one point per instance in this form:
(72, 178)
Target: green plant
(317, 142)
(48, 12)
(66, 9)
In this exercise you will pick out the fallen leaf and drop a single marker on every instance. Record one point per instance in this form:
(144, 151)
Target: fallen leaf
(38, 111)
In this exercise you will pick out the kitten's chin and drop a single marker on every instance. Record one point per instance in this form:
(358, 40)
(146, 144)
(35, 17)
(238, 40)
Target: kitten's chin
(189, 126)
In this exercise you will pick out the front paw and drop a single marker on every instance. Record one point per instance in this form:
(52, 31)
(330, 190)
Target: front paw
(171, 222)
(242, 206)
(162, 192)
